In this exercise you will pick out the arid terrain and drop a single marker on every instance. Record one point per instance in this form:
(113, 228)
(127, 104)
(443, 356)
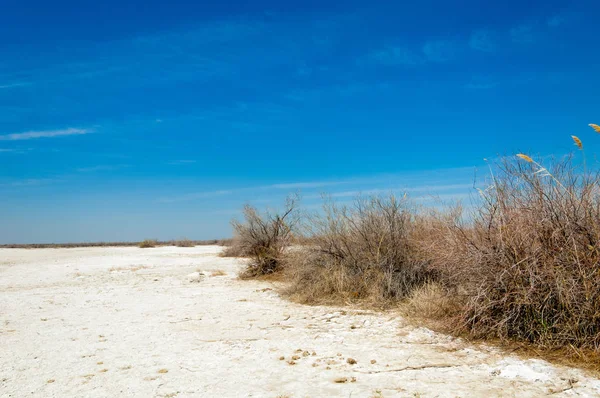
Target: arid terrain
(176, 322)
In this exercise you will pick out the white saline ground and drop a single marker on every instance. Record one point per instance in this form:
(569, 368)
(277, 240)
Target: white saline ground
(130, 322)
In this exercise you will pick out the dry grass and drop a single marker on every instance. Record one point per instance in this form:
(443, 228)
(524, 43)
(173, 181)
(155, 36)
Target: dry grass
(368, 252)
(528, 262)
(185, 242)
(132, 269)
(521, 267)
(431, 302)
(264, 237)
(218, 272)
(234, 248)
(148, 243)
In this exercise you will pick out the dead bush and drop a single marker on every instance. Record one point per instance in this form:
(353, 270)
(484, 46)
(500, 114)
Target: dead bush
(369, 251)
(184, 243)
(264, 237)
(234, 248)
(432, 301)
(528, 257)
(148, 243)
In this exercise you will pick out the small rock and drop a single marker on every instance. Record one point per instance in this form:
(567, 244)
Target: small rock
(340, 380)
(163, 371)
(351, 361)
(373, 361)
(313, 353)
(305, 353)
(281, 358)
(291, 362)
(195, 277)
(50, 381)
(295, 358)
(353, 380)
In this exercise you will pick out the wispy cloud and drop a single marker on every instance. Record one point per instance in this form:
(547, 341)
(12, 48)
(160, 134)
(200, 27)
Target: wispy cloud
(481, 86)
(194, 196)
(360, 185)
(15, 84)
(395, 55)
(440, 50)
(481, 83)
(180, 162)
(29, 135)
(101, 168)
(523, 34)
(300, 185)
(556, 21)
(423, 190)
(481, 40)
(28, 182)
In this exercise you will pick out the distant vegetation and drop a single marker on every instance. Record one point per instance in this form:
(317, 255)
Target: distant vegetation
(521, 264)
(148, 243)
(185, 242)
(179, 243)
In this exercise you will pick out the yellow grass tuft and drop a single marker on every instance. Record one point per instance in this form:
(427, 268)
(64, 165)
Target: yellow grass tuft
(148, 243)
(525, 157)
(595, 127)
(577, 142)
(218, 272)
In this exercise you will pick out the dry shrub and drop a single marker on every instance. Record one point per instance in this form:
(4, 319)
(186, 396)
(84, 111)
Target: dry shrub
(235, 248)
(369, 251)
(264, 237)
(184, 243)
(528, 258)
(148, 243)
(432, 301)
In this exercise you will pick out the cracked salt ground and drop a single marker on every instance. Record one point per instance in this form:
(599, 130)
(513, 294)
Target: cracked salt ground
(175, 322)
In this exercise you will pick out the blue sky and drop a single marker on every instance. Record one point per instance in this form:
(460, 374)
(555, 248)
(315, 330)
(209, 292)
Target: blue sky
(130, 120)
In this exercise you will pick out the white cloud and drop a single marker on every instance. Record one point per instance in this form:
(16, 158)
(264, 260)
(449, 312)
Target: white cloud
(481, 40)
(100, 168)
(29, 182)
(183, 161)
(438, 181)
(194, 196)
(439, 50)
(426, 190)
(395, 55)
(522, 34)
(481, 84)
(555, 21)
(299, 185)
(15, 84)
(29, 135)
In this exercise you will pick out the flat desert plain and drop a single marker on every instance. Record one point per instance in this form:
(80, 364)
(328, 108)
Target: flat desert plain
(176, 322)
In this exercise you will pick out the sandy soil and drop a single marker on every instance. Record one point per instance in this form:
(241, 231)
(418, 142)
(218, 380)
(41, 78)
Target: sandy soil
(175, 322)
